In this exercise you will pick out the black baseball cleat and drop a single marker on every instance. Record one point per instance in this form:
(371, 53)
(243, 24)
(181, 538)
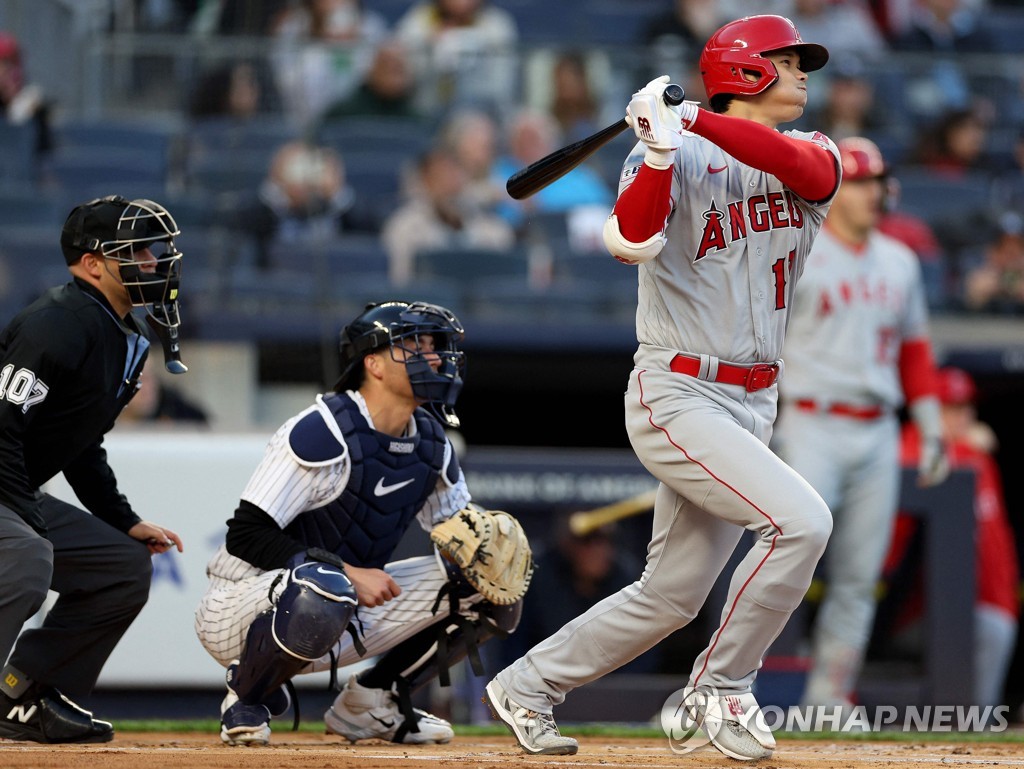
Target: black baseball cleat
(45, 715)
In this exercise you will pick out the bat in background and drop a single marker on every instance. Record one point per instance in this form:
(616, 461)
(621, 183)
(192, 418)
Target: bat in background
(584, 522)
(540, 174)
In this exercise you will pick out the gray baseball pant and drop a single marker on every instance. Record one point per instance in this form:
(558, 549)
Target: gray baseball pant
(102, 577)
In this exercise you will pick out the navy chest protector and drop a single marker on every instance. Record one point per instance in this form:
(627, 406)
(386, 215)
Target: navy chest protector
(390, 480)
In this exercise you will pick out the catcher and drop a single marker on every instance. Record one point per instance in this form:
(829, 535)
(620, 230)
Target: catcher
(306, 556)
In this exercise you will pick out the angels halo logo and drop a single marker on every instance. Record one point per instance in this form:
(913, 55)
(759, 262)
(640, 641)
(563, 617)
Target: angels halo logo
(688, 718)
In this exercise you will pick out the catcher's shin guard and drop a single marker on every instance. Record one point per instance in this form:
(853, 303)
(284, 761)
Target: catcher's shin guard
(308, 619)
(430, 654)
(434, 650)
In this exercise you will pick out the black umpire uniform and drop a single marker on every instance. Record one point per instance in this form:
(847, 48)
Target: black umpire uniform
(68, 364)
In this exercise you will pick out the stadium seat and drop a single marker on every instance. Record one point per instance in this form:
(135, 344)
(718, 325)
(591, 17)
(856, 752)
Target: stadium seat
(17, 152)
(939, 198)
(1006, 28)
(357, 254)
(149, 146)
(24, 205)
(331, 259)
(152, 137)
(468, 265)
(221, 155)
(516, 299)
(614, 281)
(395, 136)
(612, 22)
(30, 262)
(376, 179)
(72, 170)
(219, 174)
(223, 135)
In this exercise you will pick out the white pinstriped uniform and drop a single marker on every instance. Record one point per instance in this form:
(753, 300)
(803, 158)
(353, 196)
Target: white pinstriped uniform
(284, 487)
(720, 289)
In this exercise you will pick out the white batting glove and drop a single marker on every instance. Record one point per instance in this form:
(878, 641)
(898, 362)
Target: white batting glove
(657, 124)
(933, 465)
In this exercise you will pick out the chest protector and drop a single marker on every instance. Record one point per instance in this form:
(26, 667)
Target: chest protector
(390, 480)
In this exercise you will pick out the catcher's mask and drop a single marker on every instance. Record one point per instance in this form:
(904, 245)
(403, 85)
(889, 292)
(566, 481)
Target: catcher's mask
(399, 325)
(124, 231)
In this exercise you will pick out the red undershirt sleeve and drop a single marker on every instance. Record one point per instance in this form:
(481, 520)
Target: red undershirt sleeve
(644, 206)
(805, 167)
(917, 369)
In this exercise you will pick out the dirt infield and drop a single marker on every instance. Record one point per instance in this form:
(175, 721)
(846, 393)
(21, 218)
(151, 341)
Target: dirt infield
(313, 751)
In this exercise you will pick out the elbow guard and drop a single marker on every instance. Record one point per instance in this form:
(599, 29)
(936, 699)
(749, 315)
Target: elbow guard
(624, 250)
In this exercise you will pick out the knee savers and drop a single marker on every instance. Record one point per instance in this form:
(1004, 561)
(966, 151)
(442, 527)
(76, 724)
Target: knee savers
(313, 610)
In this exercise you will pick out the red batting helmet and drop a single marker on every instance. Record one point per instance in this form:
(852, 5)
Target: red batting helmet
(956, 386)
(861, 159)
(738, 46)
(9, 48)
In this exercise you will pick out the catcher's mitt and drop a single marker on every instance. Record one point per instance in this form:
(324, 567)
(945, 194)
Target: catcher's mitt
(491, 549)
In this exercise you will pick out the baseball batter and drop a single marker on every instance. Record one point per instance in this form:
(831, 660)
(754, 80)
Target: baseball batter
(857, 348)
(719, 210)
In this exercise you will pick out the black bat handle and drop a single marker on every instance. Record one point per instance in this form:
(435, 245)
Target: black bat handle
(549, 168)
(673, 95)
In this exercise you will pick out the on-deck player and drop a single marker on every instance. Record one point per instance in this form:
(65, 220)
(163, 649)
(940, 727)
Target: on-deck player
(857, 349)
(719, 211)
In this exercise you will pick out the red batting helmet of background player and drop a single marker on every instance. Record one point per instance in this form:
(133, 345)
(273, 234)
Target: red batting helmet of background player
(737, 47)
(956, 386)
(861, 159)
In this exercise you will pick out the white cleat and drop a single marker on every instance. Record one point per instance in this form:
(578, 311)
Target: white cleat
(359, 713)
(536, 733)
(735, 725)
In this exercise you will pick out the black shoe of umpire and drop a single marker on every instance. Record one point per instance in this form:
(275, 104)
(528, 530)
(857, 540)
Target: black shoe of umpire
(45, 715)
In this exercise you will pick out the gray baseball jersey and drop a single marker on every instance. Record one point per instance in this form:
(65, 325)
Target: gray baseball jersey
(720, 289)
(737, 241)
(852, 311)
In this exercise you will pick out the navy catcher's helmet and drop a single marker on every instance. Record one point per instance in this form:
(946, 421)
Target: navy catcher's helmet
(391, 324)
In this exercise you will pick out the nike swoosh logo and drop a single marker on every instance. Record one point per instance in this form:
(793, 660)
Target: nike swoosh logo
(380, 489)
(715, 170)
(382, 722)
(322, 570)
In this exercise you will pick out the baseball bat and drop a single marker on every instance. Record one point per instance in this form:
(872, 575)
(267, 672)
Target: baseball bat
(587, 521)
(541, 173)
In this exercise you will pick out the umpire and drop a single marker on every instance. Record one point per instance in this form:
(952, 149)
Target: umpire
(69, 363)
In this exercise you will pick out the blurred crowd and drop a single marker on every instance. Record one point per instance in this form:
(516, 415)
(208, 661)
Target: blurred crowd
(398, 123)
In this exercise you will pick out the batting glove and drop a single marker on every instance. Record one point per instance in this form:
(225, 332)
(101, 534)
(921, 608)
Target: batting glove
(933, 468)
(657, 124)
(933, 465)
